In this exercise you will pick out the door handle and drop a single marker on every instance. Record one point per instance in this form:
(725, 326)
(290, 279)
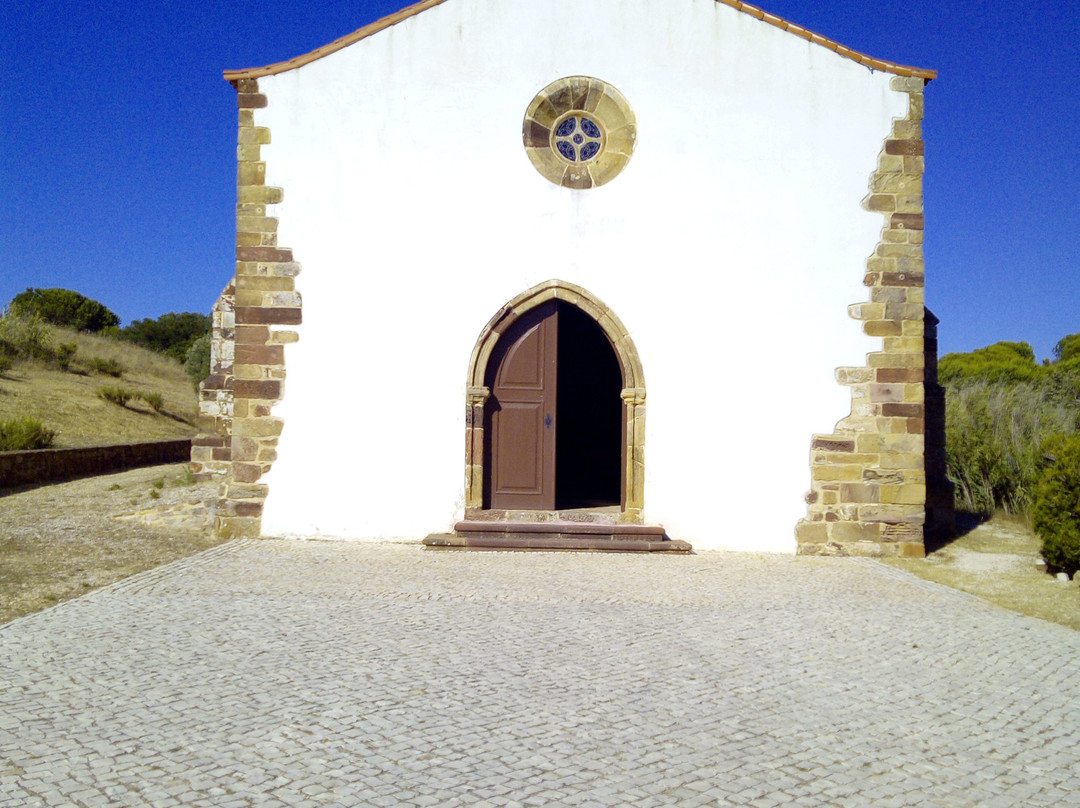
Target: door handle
(547, 420)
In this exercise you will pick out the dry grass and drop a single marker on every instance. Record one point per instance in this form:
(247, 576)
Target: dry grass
(68, 403)
(61, 541)
(996, 560)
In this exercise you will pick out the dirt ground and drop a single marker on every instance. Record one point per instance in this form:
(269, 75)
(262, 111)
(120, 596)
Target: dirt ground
(996, 560)
(61, 541)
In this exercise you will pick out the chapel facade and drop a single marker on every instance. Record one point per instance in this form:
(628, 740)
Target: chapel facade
(504, 282)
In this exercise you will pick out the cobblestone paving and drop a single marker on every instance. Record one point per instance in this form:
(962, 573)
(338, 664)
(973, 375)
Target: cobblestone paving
(331, 674)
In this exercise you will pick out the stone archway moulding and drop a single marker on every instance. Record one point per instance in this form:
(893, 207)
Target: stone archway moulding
(633, 392)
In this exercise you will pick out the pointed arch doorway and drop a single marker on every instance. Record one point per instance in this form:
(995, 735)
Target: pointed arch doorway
(556, 410)
(553, 421)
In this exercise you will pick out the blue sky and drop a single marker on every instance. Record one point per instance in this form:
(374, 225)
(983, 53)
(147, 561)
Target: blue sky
(117, 147)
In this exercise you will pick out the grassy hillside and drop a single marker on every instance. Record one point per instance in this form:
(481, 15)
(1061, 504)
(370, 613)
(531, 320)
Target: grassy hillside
(67, 402)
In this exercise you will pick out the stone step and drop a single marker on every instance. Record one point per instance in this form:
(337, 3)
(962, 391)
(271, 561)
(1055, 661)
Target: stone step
(501, 535)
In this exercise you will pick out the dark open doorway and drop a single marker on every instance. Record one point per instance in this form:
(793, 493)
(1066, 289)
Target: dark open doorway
(589, 441)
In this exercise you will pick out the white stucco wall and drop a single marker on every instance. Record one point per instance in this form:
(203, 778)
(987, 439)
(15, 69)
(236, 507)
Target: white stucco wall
(730, 247)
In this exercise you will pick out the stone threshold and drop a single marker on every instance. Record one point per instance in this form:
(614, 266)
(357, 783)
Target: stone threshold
(557, 535)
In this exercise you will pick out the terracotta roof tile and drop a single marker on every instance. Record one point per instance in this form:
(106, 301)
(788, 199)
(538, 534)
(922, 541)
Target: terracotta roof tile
(424, 5)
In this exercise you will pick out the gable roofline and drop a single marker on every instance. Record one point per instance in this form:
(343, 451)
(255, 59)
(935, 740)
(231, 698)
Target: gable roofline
(233, 76)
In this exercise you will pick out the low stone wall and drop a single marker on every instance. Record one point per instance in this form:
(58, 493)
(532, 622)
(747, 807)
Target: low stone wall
(52, 465)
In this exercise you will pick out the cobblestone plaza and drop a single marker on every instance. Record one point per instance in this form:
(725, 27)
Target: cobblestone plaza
(272, 673)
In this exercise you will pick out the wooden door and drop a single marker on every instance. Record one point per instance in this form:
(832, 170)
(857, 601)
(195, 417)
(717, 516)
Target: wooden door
(521, 428)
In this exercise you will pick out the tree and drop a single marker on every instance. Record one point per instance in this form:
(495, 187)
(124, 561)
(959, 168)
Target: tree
(197, 363)
(171, 334)
(64, 307)
(1068, 349)
(1056, 515)
(1002, 361)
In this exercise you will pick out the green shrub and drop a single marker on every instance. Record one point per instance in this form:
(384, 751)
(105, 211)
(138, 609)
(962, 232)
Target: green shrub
(26, 337)
(107, 367)
(64, 307)
(1002, 361)
(154, 400)
(197, 362)
(171, 334)
(1067, 348)
(1056, 511)
(116, 395)
(65, 352)
(24, 433)
(994, 437)
(5, 363)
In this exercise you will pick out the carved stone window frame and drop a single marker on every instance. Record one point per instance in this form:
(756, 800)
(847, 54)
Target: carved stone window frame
(604, 106)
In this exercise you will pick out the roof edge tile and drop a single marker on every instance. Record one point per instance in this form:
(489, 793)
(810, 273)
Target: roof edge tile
(411, 11)
(336, 45)
(825, 42)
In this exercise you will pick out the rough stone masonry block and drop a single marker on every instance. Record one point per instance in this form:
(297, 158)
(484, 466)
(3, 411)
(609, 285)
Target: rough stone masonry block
(255, 388)
(845, 532)
(891, 514)
(267, 427)
(264, 194)
(908, 494)
(812, 532)
(252, 372)
(916, 106)
(880, 202)
(883, 328)
(907, 129)
(248, 153)
(859, 492)
(901, 375)
(246, 472)
(907, 221)
(848, 473)
(256, 224)
(909, 203)
(901, 460)
(256, 135)
(896, 183)
(258, 315)
(866, 311)
(907, 84)
(238, 527)
(888, 163)
(250, 173)
(904, 148)
(268, 283)
(263, 254)
(284, 337)
(910, 361)
(831, 443)
(250, 100)
(260, 355)
(849, 375)
(886, 392)
(889, 444)
(903, 409)
(905, 250)
(904, 345)
(914, 328)
(252, 334)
